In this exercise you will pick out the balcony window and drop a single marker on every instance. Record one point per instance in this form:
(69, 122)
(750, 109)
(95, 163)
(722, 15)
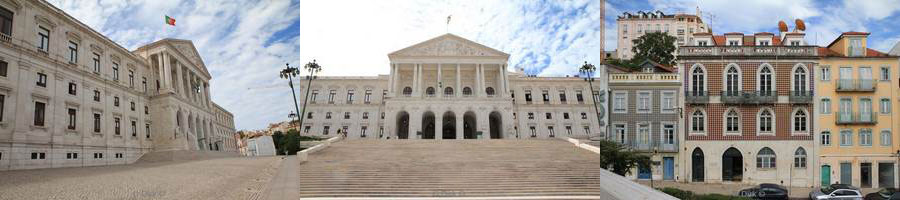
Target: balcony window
(619, 130)
(698, 80)
(643, 137)
(732, 81)
(765, 80)
(350, 96)
(6, 22)
(800, 80)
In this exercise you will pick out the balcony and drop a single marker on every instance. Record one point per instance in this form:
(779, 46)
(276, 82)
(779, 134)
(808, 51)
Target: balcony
(696, 97)
(655, 146)
(801, 97)
(4, 37)
(643, 77)
(747, 51)
(856, 85)
(856, 118)
(749, 97)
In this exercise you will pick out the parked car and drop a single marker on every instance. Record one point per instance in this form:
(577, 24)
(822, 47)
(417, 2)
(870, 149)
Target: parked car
(882, 194)
(837, 192)
(765, 191)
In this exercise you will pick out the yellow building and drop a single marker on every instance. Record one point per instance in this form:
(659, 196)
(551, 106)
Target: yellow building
(855, 90)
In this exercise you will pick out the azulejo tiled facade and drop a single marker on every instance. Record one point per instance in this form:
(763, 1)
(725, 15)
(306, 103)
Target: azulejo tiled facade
(452, 88)
(71, 97)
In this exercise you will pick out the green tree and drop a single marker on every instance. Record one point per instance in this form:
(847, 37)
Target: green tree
(291, 142)
(655, 46)
(277, 140)
(618, 158)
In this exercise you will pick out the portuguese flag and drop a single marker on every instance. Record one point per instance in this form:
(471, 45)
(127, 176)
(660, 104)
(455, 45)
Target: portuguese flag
(170, 20)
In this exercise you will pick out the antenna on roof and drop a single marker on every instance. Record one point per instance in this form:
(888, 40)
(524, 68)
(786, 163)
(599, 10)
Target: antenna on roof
(710, 16)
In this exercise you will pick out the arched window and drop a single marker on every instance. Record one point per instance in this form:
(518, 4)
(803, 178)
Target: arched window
(448, 91)
(800, 81)
(765, 81)
(800, 158)
(429, 91)
(489, 91)
(732, 81)
(467, 91)
(407, 91)
(698, 79)
(765, 120)
(698, 121)
(765, 158)
(732, 121)
(800, 121)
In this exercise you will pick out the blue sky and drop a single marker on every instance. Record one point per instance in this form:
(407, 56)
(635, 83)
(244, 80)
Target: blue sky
(243, 43)
(825, 19)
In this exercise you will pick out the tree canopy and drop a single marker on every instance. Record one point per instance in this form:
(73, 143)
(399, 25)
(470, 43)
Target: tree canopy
(619, 159)
(656, 46)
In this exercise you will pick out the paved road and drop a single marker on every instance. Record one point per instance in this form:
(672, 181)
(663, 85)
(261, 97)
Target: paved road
(224, 178)
(284, 185)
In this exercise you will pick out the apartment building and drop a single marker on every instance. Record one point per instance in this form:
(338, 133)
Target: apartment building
(681, 26)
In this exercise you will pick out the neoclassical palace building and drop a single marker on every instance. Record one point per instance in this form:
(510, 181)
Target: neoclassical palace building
(449, 87)
(70, 96)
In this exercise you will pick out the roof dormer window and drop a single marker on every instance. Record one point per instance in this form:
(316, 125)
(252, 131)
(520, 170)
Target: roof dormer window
(734, 43)
(763, 43)
(702, 43)
(856, 47)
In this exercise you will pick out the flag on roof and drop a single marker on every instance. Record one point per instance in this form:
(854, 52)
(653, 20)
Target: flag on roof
(170, 20)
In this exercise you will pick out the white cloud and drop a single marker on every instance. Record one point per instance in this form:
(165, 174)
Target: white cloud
(231, 36)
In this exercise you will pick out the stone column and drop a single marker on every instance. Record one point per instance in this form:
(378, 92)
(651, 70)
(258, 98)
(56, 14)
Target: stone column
(391, 78)
(458, 90)
(420, 82)
(459, 125)
(503, 79)
(440, 89)
(177, 80)
(415, 86)
(438, 125)
(168, 74)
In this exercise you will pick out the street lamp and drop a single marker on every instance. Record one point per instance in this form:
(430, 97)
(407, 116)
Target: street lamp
(292, 115)
(587, 70)
(289, 73)
(313, 69)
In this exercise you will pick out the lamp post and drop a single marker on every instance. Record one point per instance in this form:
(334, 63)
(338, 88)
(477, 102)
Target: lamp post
(313, 69)
(588, 71)
(289, 73)
(291, 117)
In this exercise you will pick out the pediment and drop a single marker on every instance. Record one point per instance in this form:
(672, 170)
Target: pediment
(186, 48)
(449, 45)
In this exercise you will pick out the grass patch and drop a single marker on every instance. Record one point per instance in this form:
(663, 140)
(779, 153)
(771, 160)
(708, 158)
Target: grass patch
(688, 195)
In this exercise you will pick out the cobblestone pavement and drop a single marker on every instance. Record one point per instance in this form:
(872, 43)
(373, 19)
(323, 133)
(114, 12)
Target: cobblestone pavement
(731, 188)
(224, 178)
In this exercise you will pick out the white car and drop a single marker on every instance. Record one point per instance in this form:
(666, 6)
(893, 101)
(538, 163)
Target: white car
(837, 192)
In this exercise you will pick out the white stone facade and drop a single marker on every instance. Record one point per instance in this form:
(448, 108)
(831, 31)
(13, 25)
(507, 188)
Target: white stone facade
(452, 88)
(631, 26)
(71, 97)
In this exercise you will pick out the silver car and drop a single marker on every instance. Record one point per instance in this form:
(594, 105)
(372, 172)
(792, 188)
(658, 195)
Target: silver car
(837, 192)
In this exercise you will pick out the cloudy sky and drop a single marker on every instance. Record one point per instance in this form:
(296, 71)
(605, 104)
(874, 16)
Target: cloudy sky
(825, 19)
(243, 44)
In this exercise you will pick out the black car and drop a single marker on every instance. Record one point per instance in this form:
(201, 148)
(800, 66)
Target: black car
(883, 194)
(765, 191)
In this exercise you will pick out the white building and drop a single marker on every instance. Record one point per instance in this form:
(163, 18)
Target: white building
(631, 26)
(452, 88)
(261, 146)
(70, 96)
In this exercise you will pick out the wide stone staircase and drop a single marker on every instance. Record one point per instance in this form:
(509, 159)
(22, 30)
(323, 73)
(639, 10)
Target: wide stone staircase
(454, 168)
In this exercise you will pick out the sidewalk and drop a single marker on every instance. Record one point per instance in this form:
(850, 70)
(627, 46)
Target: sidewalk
(731, 188)
(284, 185)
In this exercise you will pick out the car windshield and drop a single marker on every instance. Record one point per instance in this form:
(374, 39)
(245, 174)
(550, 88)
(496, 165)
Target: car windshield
(827, 189)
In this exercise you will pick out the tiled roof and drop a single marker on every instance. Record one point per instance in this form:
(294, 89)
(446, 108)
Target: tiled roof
(870, 53)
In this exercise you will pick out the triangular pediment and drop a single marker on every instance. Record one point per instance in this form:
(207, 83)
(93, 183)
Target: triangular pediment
(186, 48)
(448, 45)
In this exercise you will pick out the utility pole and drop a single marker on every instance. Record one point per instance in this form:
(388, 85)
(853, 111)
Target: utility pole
(588, 71)
(313, 69)
(290, 72)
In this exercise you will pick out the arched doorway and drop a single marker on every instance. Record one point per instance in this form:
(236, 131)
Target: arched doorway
(697, 169)
(403, 125)
(428, 125)
(449, 126)
(496, 122)
(732, 165)
(469, 125)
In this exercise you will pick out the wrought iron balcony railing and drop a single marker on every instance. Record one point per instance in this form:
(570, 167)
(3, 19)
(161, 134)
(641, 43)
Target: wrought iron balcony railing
(749, 97)
(696, 97)
(856, 118)
(856, 85)
(801, 97)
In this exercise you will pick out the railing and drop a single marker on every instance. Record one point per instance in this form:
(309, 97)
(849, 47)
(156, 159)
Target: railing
(801, 97)
(749, 97)
(5, 37)
(654, 145)
(856, 85)
(747, 51)
(856, 118)
(696, 97)
(643, 77)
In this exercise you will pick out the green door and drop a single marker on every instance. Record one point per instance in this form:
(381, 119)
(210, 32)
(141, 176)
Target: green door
(826, 175)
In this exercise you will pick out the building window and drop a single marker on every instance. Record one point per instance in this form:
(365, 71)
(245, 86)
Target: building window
(530, 115)
(97, 95)
(865, 137)
(668, 136)
(550, 129)
(309, 115)
(825, 106)
(765, 81)
(115, 68)
(766, 121)
(698, 80)
(6, 19)
(579, 97)
(39, 108)
(131, 78)
(4, 66)
(865, 110)
(825, 73)
(800, 121)
(43, 39)
(545, 95)
(732, 121)
(732, 81)
(382, 115)
(350, 96)
(368, 96)
(2, 105)
(448, 91)
(489, 91)
(116, 101)
(885, 106)
(132, 106)
(96, 63)
(147, 128)
(856, 47)
(643, 104)
(886, 138)
(765, 158)
(467, 91)
(528, 96)
(365, 115)
(407, 91)
(800, 81)
(800, 158)
(885, 74)
(41, 79)
(565, 115)
(346, 115)
(328, 115)
(38, 155)
(826, 138)
(73, 89)
(846, 137)
(643, 136)
(96, 122)
(133, 128)
(549, 116)
(667, 102)
(117, 125)
(702, 43)
(562, 96)
(362, 131)
(72, 116)
(146, 110)
(144, 83)
(73, 52)
(620, 102)
(620, 133)
(583, 115)
(698, 121)
(587, 130)
(533, 132)
(568, 130)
